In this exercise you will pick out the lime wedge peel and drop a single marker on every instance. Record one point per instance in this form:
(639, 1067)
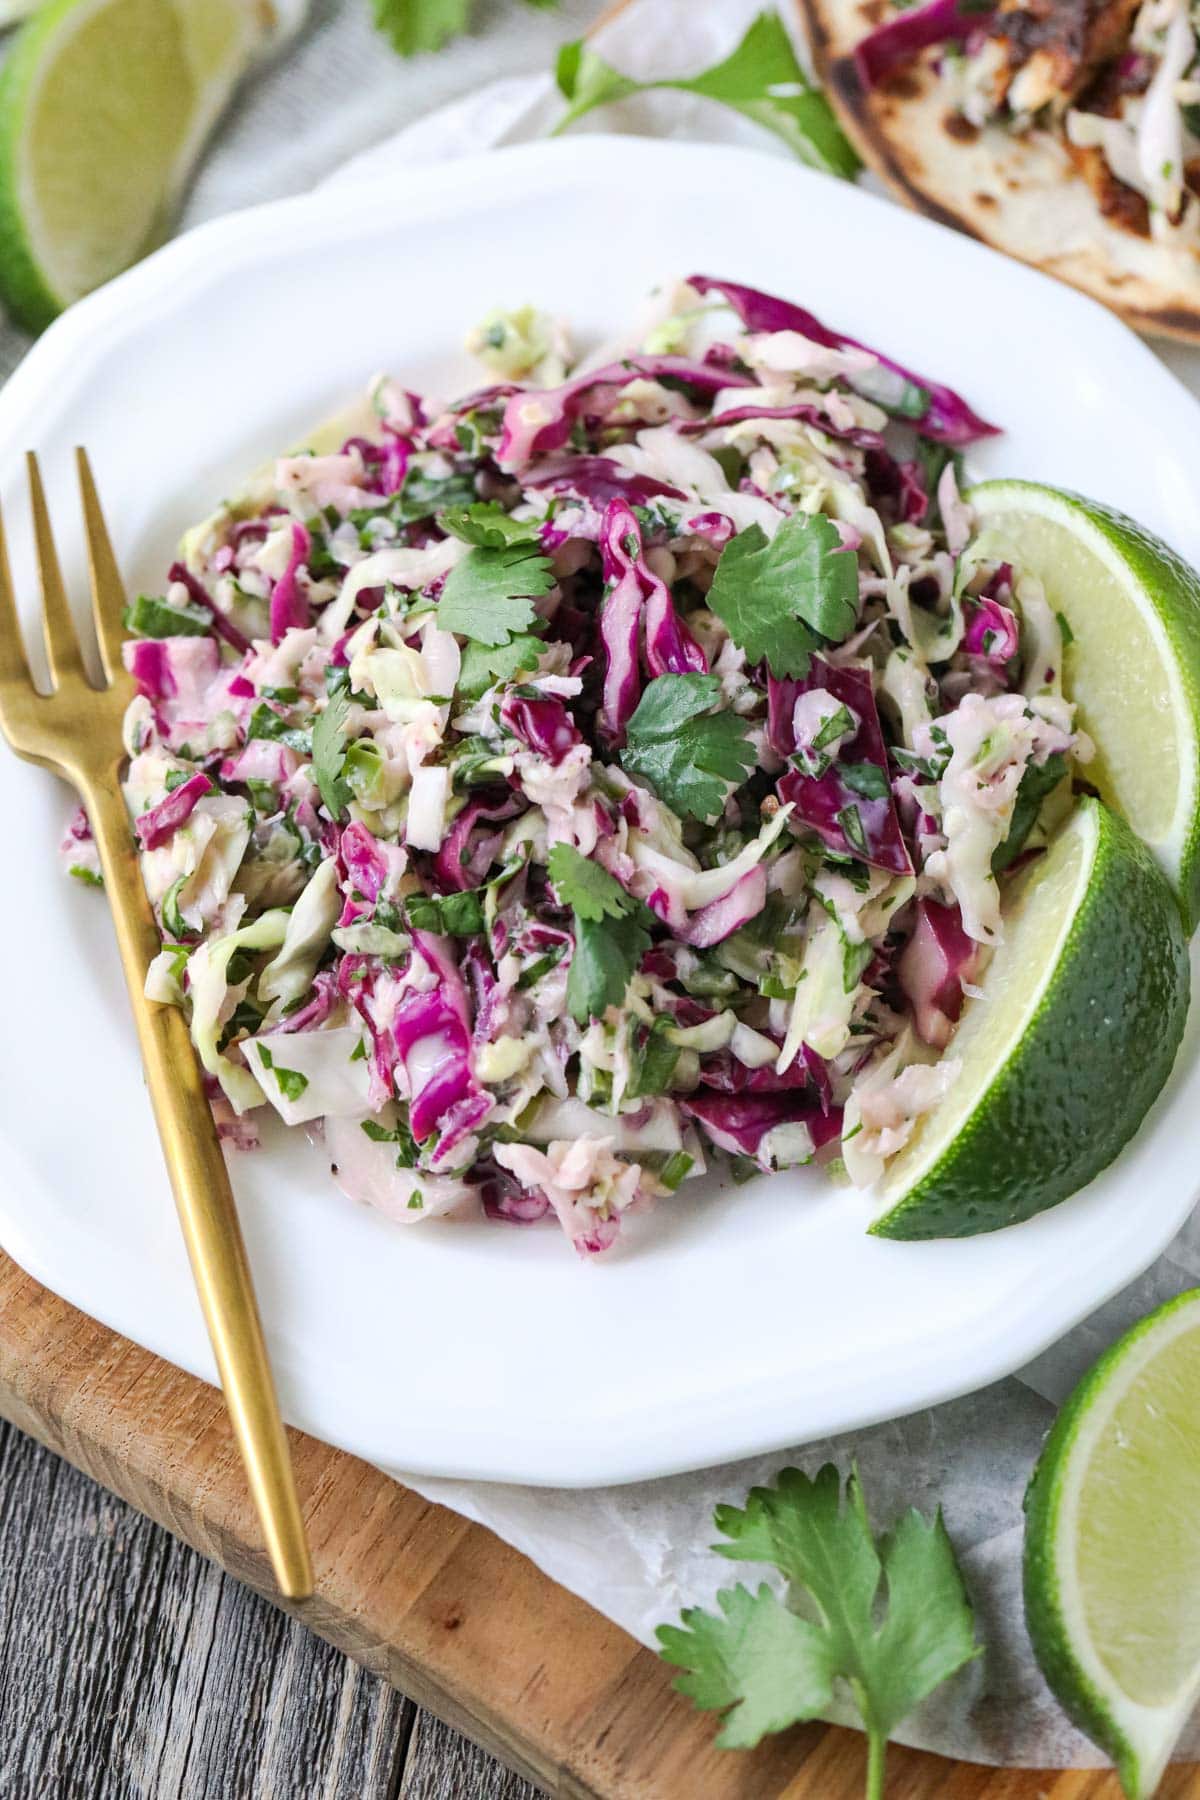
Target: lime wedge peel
(1067, 1046)
(1112, 1553)
(1133, 665)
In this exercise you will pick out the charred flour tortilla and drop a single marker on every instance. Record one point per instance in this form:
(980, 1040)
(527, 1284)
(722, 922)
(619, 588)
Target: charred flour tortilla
(1023, 194)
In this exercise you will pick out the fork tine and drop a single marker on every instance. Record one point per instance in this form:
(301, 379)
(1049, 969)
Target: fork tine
(108, 592)
(13, 666)
(62, 642)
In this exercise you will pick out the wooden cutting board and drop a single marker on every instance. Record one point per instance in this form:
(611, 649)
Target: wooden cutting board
(439, 1607)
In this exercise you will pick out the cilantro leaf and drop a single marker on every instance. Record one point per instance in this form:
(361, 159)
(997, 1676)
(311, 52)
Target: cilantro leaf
(450, 915)
(761, 79)
(852, 828)
(265, 722)
(652, 1060)
(931, 767)
(890, 1614)
(586, 80)
(781, 596)
(865, 778)
(928, 1630)
(610, 934)
(808, 758)
(483, 667)
(542, 965)
(758, 1663)
(489, 595)
(422, 495)
(1038, 781)
(836, 726)
(406, 1154)
(329, 753)
(291, 1082)
(487, 525)
(413, 25)
(687, 754)
(586, 887)
(605, 959)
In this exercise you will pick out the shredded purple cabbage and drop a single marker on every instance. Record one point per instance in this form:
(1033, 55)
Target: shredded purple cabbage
(510, 843)
(947, 418)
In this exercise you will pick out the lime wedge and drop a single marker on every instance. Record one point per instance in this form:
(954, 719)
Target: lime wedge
(1112, 1554)
(1065, 1047)
(105, 106)
(1133, 665)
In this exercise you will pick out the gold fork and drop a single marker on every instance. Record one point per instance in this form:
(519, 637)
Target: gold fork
(75, 730)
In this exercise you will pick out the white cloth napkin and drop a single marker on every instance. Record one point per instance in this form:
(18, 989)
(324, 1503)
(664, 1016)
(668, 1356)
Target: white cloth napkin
(639, 1553)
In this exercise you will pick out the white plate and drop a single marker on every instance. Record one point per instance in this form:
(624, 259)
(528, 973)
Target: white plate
(733, 1323)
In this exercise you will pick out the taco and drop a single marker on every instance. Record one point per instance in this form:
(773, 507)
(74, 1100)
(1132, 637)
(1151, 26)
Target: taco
(1063, 132)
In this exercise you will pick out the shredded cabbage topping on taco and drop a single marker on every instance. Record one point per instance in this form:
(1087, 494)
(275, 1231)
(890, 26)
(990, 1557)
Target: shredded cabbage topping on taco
(1117, 81)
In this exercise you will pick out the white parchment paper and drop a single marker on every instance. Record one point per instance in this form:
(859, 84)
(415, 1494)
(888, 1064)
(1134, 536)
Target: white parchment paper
(340, 106)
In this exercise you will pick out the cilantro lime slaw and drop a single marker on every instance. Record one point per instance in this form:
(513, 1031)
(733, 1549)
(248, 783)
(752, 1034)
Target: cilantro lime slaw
(608, 776)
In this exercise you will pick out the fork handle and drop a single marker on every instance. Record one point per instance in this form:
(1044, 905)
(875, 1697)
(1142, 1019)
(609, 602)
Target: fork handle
(204, 1198)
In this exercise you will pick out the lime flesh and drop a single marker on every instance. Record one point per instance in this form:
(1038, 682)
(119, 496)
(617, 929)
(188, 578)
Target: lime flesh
(104, 106)
(1132, 667)
(1072, 1036)
(1112, 1555)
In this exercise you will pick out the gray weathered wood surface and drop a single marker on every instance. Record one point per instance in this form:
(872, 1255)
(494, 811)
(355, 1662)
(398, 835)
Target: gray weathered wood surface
(132, 1669)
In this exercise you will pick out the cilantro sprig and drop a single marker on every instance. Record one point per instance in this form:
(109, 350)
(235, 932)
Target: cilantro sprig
(489, 595)
(610, 933)
(888, 1616)
(781, 597)
(687, 753)
(414, 25)
(762, 79)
